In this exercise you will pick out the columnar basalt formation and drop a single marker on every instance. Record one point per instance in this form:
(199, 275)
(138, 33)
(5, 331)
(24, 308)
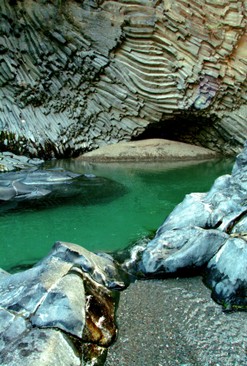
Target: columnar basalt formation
(76, 75)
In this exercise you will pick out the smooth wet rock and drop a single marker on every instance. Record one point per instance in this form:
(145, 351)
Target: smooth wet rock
(3, 273)
(192, 211)
(204, 228)
(101, 267)
(13, 327)
(183, 250)
(41, 347)
(62, 307)
(61, 311)
(227, 276)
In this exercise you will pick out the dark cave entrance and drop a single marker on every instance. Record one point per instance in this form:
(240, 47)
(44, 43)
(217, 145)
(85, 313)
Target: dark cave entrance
(198, 130)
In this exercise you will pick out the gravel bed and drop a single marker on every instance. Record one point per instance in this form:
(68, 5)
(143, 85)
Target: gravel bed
(175, 322)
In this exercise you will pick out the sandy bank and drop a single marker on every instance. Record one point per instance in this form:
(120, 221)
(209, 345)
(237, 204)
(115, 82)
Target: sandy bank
(151, 149)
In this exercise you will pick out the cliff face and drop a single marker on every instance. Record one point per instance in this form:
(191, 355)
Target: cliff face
(75, 75)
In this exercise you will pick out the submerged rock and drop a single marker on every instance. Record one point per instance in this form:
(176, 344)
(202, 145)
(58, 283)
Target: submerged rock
(61, 311)
(30, 184)
(205, 229)
(44, 188)
(10, 162)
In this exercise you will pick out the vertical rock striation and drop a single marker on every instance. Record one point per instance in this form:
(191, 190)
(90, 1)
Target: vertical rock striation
(75, 75)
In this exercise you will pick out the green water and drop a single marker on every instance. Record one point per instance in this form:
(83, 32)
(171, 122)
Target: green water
(153, 190)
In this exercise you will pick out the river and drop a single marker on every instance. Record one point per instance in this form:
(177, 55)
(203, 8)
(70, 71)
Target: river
(153, 189)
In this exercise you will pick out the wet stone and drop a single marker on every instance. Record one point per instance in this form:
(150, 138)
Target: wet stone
(58, 312)
(205, 230)
(11, 162)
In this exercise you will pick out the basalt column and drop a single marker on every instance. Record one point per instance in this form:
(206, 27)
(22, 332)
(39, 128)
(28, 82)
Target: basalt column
(75, 75)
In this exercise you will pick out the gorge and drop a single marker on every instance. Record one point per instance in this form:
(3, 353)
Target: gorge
(78, 77)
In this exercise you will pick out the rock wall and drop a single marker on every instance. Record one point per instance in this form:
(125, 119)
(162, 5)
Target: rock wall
(75, 75)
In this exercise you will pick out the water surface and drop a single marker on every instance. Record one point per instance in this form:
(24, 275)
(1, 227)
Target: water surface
(153, 190)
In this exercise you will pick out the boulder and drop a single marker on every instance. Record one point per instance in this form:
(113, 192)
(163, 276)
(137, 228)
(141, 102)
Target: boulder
(181, 251)
(36, 347)
(226, 274)
(61, 311)
(206, 229)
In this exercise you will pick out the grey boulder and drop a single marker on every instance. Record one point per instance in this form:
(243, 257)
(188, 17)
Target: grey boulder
(226, 274)
(206, 229)
(61, 311)
(181, 250)
(52, 187)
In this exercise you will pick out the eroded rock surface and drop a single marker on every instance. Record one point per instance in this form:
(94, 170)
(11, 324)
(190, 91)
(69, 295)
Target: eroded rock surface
(61, 311)
(226, 274)
(75, 75)
(205, 229)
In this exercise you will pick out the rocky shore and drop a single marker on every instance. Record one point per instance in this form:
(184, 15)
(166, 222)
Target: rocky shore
(62, 311)
(204, 230)
(11, 162)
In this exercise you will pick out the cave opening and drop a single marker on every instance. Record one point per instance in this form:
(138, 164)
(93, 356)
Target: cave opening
(192, 129)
